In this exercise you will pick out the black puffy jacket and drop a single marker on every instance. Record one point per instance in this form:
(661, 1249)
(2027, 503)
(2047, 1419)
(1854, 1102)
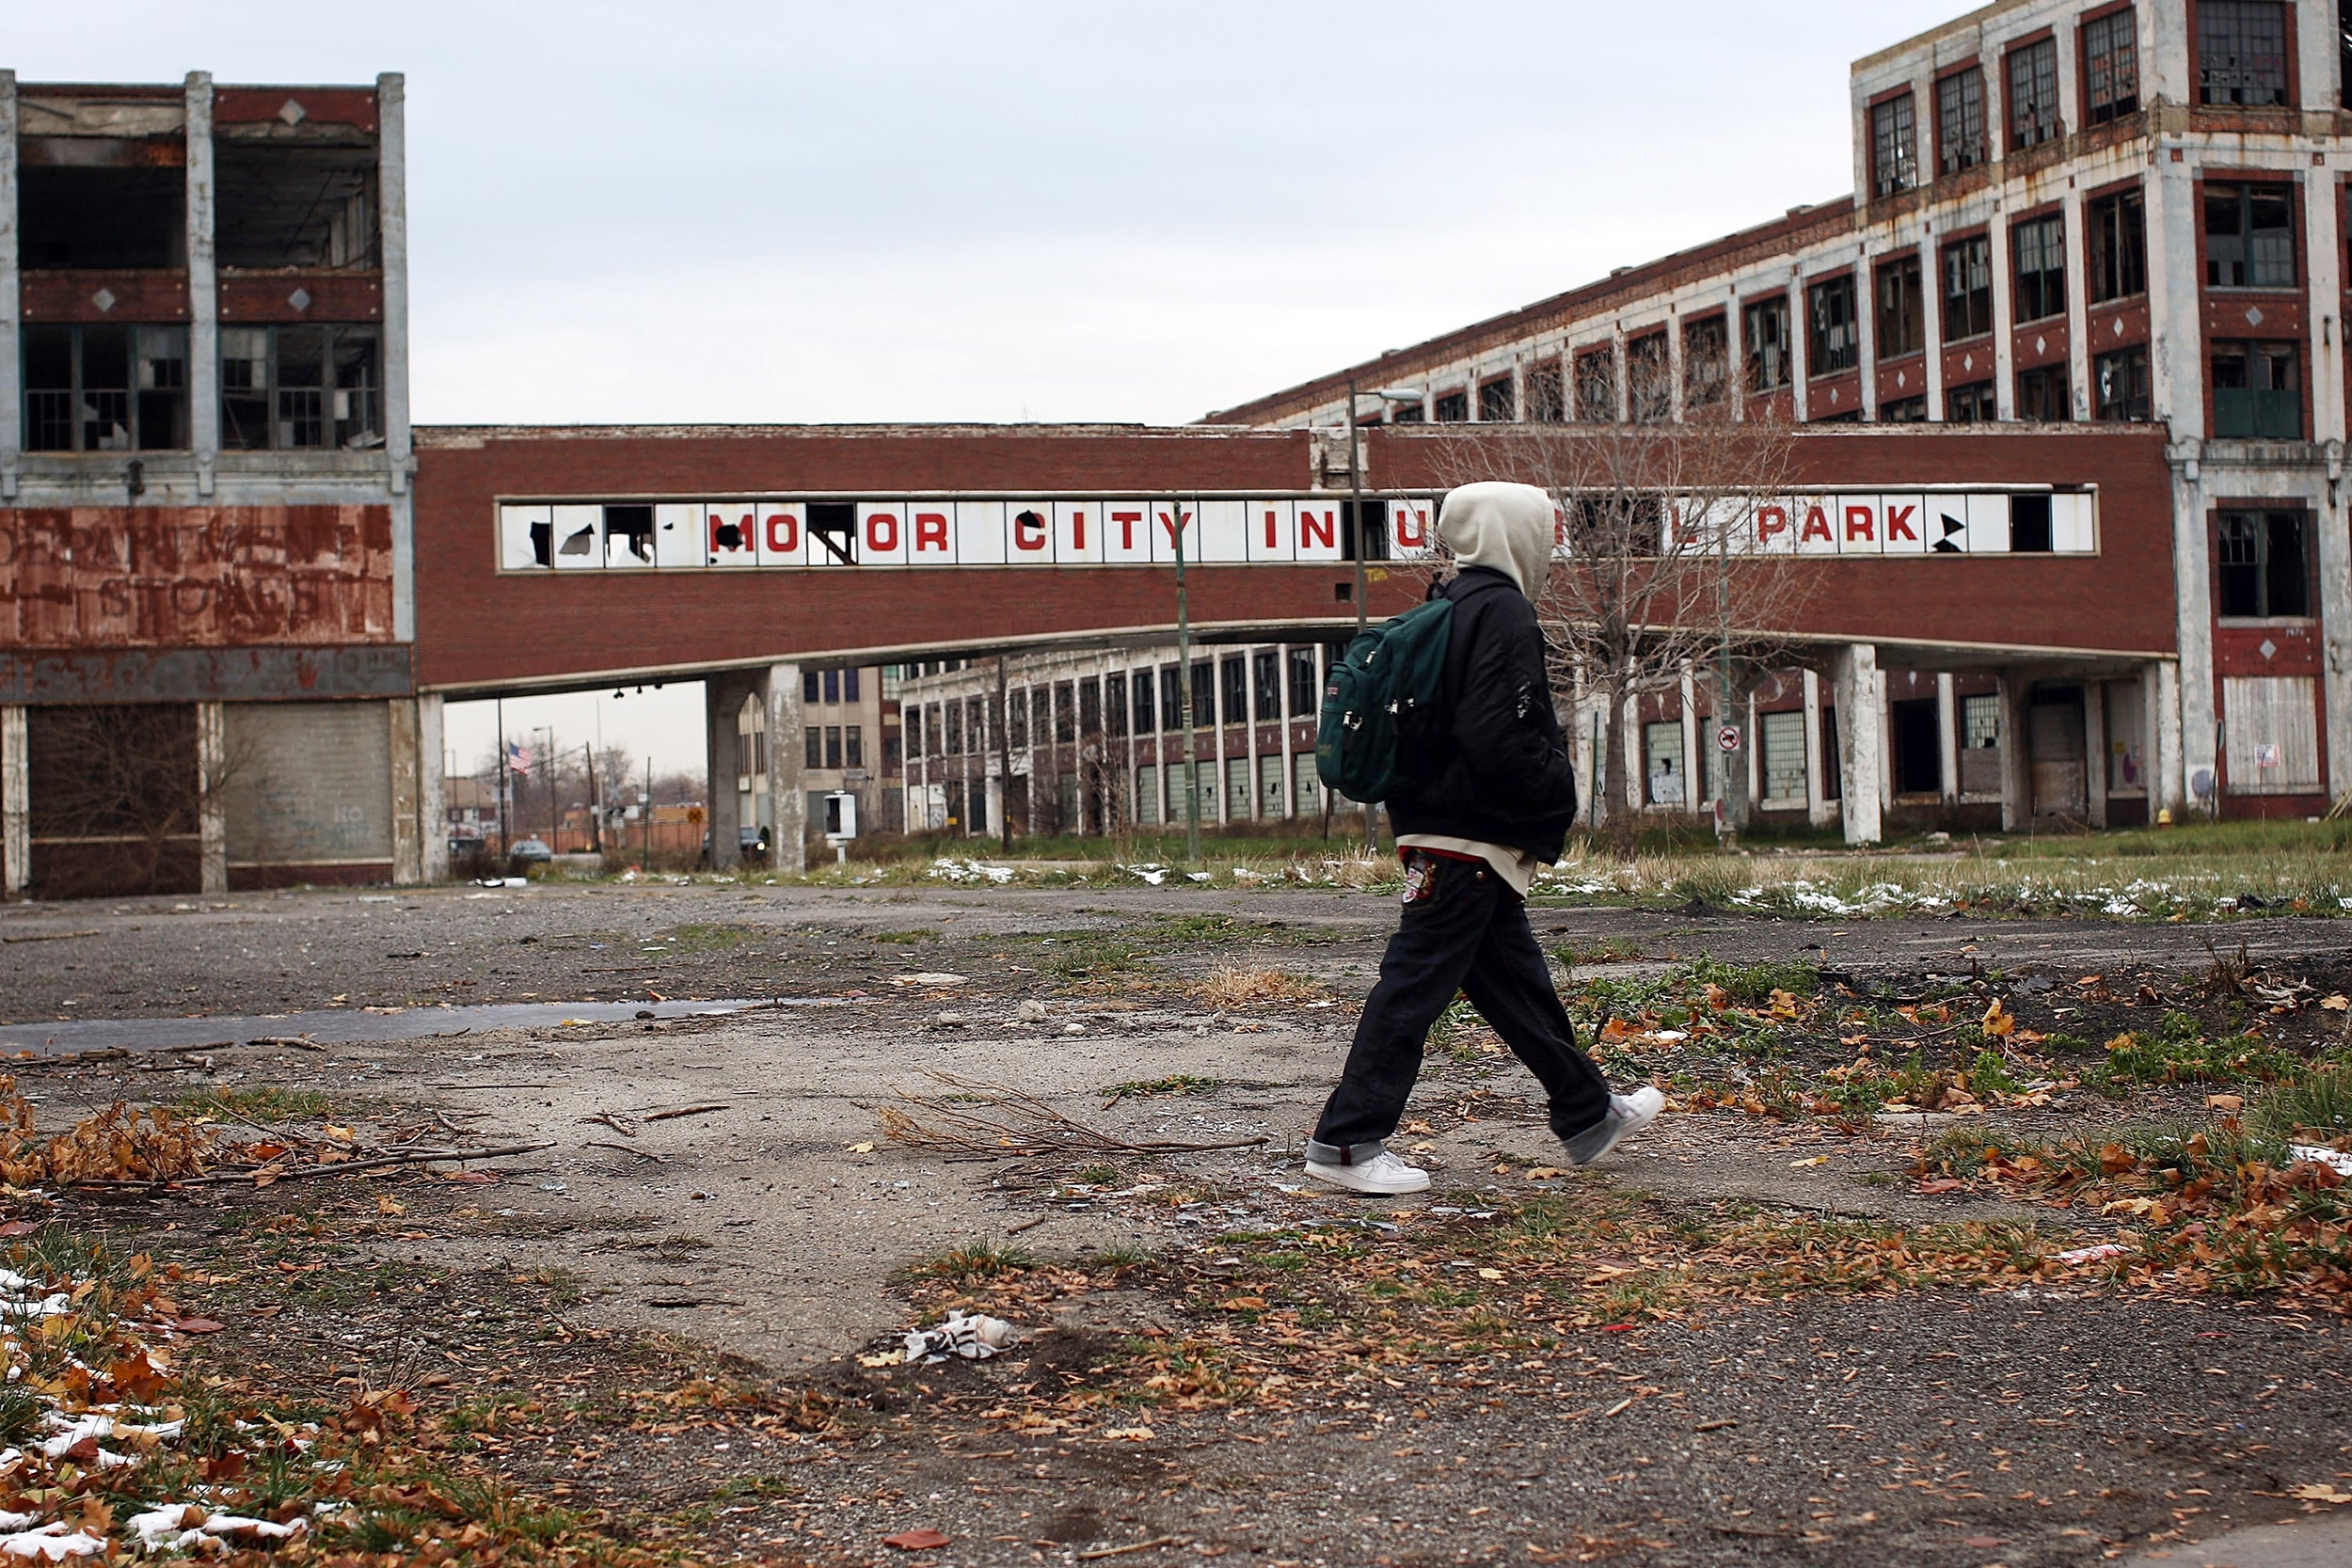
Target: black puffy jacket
(1500, 775)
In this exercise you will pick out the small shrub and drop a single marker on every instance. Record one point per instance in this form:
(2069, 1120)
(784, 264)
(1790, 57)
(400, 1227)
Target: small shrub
(1256, 987)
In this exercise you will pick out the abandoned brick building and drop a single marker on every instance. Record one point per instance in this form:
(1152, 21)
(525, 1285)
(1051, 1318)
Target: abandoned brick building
(2062, 382)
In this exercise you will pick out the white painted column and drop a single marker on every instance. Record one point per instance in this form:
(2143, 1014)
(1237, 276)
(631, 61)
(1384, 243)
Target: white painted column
(787, 803)
(1800, 354)
(722, 811)
(1861, 760)
(1735, 358)
(2168, 778)
(1818, 806)
(1249, 701)
(2004, 312)
(1947, 739)
(1931, 324)
(1883, 719)
(212, 803)
(1636, 764)
(16, 818)
(392, 237)
(203, 287)
(1865, 295)
(432, 794)
(1693, 763)
(2079, 346)
(2193, 595)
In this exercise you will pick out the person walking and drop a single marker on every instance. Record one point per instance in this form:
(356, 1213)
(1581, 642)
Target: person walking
(1491, 801)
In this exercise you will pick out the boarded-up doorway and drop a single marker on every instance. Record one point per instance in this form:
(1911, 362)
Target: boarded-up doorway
(113, 796)
(2055, 746)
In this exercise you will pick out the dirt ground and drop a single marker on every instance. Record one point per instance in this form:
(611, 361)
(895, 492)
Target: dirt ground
(678, 1315)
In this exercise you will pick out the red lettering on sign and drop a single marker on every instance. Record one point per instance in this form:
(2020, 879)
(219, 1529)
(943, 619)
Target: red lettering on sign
(784, 533)
(930, 531)
(1817, 525)
(1175, 523)
(1324, 529)
(1861, 522)
(1899, 524)
(730, 538)
(1412, 527)
(1273, 541)
(1078, 531)
(882, 532)
(1028, 532)
(1126, 521)
(1769, 521)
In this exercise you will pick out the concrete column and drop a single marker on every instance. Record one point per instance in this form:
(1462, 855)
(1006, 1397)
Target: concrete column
(2016, 767)
(2322, 211)
(2176, 357)
(2004, 310)
(1883, 721)
(1948, 732)
(2192, 565)
(1636, 765)
(1735, 356)
(1693, 764)
(722, 699)
(392, 240)
(2167, 779)
(788, 801)
(1866, 297)
(1800, 352)
(204, 286)
(2096, 751)
(2079, 299)
(1249, 703)
(16, 819)
(407, 786)
(432, 793)
(1818, 806)
(1931, 324)
(12, 294)
(212, 797)
(1861, 760)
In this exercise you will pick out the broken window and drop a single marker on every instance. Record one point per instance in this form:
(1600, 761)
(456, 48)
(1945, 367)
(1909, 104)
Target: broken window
(854, 746)
(2043, 395)
(2033, 95)
(1040, 715)
(1266, 678)
(2119, 385)
(1089, 708)
(1115, 704)
(1453, 407)
(290, 388)
(1547, 394)
(2039, 245)
(810, 685)
(1497, 403)
(1204, 694)
(1904, 411)
(80, 217)
(1147, 721)
(2258, 390)
(307, 208)
(974, 725)
(914, 725)
(1233, 688)
(1596, 386)
(811, 748)
(1960, 121)
(1764, 332)
(2262, 565)
(1373, 533)
(105, 388)
(832, 742)
(1306, 689)
(2250, 236)
(833, 533)
(1649, 379)
(1834, 342)
(1706, 362)
(628, 536)
(1017, 718)
(1065, 713)
(2111, 65)
(1783, 738)
(954, 716)
(1967, 288)
(1893, 146)
(890, 749)
(1902, 314)
(2118, 246)
(1171, 698)
(2241, 51)
(1407, 413)
(1970, 405)
(2030, 525)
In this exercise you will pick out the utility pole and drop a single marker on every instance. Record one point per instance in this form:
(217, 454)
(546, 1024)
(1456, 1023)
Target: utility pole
(1184, 658)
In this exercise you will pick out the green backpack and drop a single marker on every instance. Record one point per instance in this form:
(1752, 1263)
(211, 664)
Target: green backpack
(1384, 704)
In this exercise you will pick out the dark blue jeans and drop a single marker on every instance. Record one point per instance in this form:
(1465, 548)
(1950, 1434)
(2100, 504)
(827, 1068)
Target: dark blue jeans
(1464, 929)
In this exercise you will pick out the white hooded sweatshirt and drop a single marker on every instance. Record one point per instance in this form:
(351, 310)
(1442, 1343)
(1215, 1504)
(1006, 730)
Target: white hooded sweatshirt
(1507, 528)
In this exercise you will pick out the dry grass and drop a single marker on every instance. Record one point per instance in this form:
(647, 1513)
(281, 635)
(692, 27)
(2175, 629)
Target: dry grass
(1227, 986)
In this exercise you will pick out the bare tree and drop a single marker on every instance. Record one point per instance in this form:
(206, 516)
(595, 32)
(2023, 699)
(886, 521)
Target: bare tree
(118, 793)
(1663, 571)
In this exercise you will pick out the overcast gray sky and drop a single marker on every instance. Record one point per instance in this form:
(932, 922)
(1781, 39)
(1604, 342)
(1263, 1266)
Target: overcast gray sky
(1017, 209)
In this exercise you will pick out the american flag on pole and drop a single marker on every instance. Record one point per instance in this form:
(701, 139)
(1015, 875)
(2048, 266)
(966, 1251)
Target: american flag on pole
(518, 757)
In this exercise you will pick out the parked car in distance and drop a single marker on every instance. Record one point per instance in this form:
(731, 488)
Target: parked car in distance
(530, 851)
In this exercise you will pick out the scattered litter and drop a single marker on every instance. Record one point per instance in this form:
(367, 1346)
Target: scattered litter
(2321, 1154)
(2321, 1492)
(917, 1540)
(2099, 1254)
(1032, 1013)
(973, 1337)
(952, 870)
(929, 977)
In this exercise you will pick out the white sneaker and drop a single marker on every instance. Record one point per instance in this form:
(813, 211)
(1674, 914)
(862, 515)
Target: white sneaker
(1384, 1174)
(1628, 1114)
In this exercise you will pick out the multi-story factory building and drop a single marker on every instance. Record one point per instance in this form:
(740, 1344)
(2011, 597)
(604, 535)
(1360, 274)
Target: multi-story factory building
(2067, 214)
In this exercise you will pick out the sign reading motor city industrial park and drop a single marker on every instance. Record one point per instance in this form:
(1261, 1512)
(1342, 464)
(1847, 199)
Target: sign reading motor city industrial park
(702, 535)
